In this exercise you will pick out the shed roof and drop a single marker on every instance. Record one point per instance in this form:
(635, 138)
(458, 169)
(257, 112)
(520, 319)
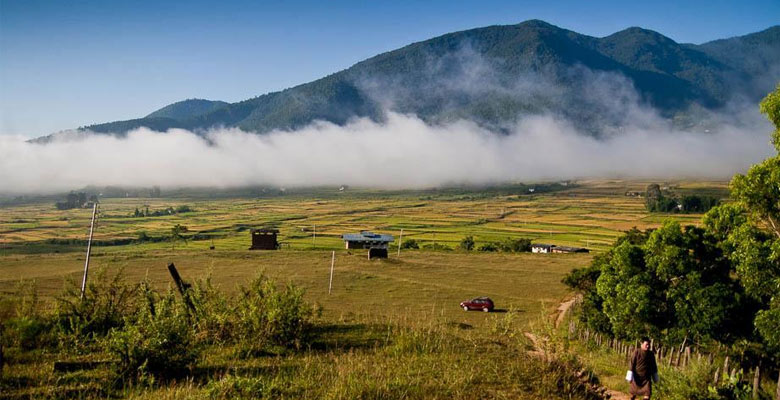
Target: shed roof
(265, 230)
(571, 249)
(366, 236)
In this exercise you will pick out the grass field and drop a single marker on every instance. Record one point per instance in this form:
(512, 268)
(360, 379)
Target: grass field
(420, 289)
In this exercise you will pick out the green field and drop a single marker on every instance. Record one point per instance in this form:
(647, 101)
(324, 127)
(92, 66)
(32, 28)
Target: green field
(419, 289)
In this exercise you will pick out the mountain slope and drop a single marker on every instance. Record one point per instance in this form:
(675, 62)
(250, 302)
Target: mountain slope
(498, 74)
(187, 109)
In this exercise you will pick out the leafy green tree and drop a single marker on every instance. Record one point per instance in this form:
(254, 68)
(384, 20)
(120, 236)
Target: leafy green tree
(467, 243)
(488, 247)
(771, 107)
(677, 283)
(721, 281)
(410, 244)
(753, 235)
(177, 234)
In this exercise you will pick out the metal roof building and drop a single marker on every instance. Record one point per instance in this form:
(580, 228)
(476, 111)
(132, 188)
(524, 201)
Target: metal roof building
(366, 240)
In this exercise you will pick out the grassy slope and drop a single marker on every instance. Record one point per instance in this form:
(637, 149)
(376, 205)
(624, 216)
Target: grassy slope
(355, 356)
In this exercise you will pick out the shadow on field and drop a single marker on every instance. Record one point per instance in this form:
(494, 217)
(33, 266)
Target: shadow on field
(210, 373)
(330, 337)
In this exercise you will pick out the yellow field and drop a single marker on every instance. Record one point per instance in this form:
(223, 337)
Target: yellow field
(358, 350)
(590, 214)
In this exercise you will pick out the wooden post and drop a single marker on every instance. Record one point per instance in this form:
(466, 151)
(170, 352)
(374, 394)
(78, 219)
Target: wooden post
(332, 262)
(716, 377)
(777, 392)
(756, 380)
(726, 367)
(181, 285)
(89, 250)
(687, 356)
(400, 238)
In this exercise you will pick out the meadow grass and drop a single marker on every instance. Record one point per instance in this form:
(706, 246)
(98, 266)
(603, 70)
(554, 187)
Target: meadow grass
(389, 329)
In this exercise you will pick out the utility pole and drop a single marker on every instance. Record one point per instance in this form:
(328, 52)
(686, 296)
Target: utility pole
(332, 262)
(399, 242)
(314, 237)
(89, 249)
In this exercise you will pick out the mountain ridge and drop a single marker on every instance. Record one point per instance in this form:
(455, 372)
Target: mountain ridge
(496, 75)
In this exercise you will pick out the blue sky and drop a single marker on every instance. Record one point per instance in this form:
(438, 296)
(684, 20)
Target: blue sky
(64, 64)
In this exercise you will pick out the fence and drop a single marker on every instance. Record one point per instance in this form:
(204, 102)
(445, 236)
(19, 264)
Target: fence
(672, 356)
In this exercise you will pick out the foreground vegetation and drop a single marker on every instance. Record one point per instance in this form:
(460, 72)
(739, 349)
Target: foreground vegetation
(262, 341)
(390, 328)
(707, 287)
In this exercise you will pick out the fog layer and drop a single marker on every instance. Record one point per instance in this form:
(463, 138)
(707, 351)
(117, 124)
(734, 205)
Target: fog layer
(400, 152)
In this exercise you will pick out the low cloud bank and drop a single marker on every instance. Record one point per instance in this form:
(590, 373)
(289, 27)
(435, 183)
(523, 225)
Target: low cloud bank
(402, 152)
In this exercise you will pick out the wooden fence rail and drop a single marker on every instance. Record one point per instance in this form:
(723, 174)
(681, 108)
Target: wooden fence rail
(673, 357)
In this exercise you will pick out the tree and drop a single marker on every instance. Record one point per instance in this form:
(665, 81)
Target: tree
(721, 281)
(771, 107)
(753, 236)
(677, 283)
(177, 234)
(410, 244)
(467, 243)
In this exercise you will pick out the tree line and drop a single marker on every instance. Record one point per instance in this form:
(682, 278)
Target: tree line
(710, 285)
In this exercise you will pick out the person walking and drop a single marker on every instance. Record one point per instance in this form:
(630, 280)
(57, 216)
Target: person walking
(643, 371)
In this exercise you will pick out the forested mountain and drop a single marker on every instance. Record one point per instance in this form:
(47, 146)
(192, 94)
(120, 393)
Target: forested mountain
(499, 74)
(183, 110)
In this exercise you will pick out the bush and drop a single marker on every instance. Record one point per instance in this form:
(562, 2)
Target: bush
(488, 247)
(467, 243)
(215, 317)
(27, 328)
(158, 340)
(436, 246)
(266, 315)
(410, 244)
(27, 332)
(515, 245)
(106, 302)
(687, 384)
(237, 387)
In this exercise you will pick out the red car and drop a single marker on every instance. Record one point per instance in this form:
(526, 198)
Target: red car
(480, 303)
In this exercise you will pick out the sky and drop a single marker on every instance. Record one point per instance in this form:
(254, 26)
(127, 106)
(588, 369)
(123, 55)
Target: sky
(65, 64)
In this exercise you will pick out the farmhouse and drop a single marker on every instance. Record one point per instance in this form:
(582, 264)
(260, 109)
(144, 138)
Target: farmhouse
(566, 249)
(541, 248)
(376, 243)
(551, 248)
(264, 239)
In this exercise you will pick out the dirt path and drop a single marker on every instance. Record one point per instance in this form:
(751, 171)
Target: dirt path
(561, 312)
(564, 307)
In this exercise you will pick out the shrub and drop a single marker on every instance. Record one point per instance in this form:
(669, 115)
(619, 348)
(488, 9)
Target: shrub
(488, 247)
(27, 328)
(237, 387)
(27, 332)
(437, 246)
(215, 319)
(267, 315)
(158, 340)
(686, 384)
(467, 243)
(106, 301)
(410, 244)
(515, 245)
